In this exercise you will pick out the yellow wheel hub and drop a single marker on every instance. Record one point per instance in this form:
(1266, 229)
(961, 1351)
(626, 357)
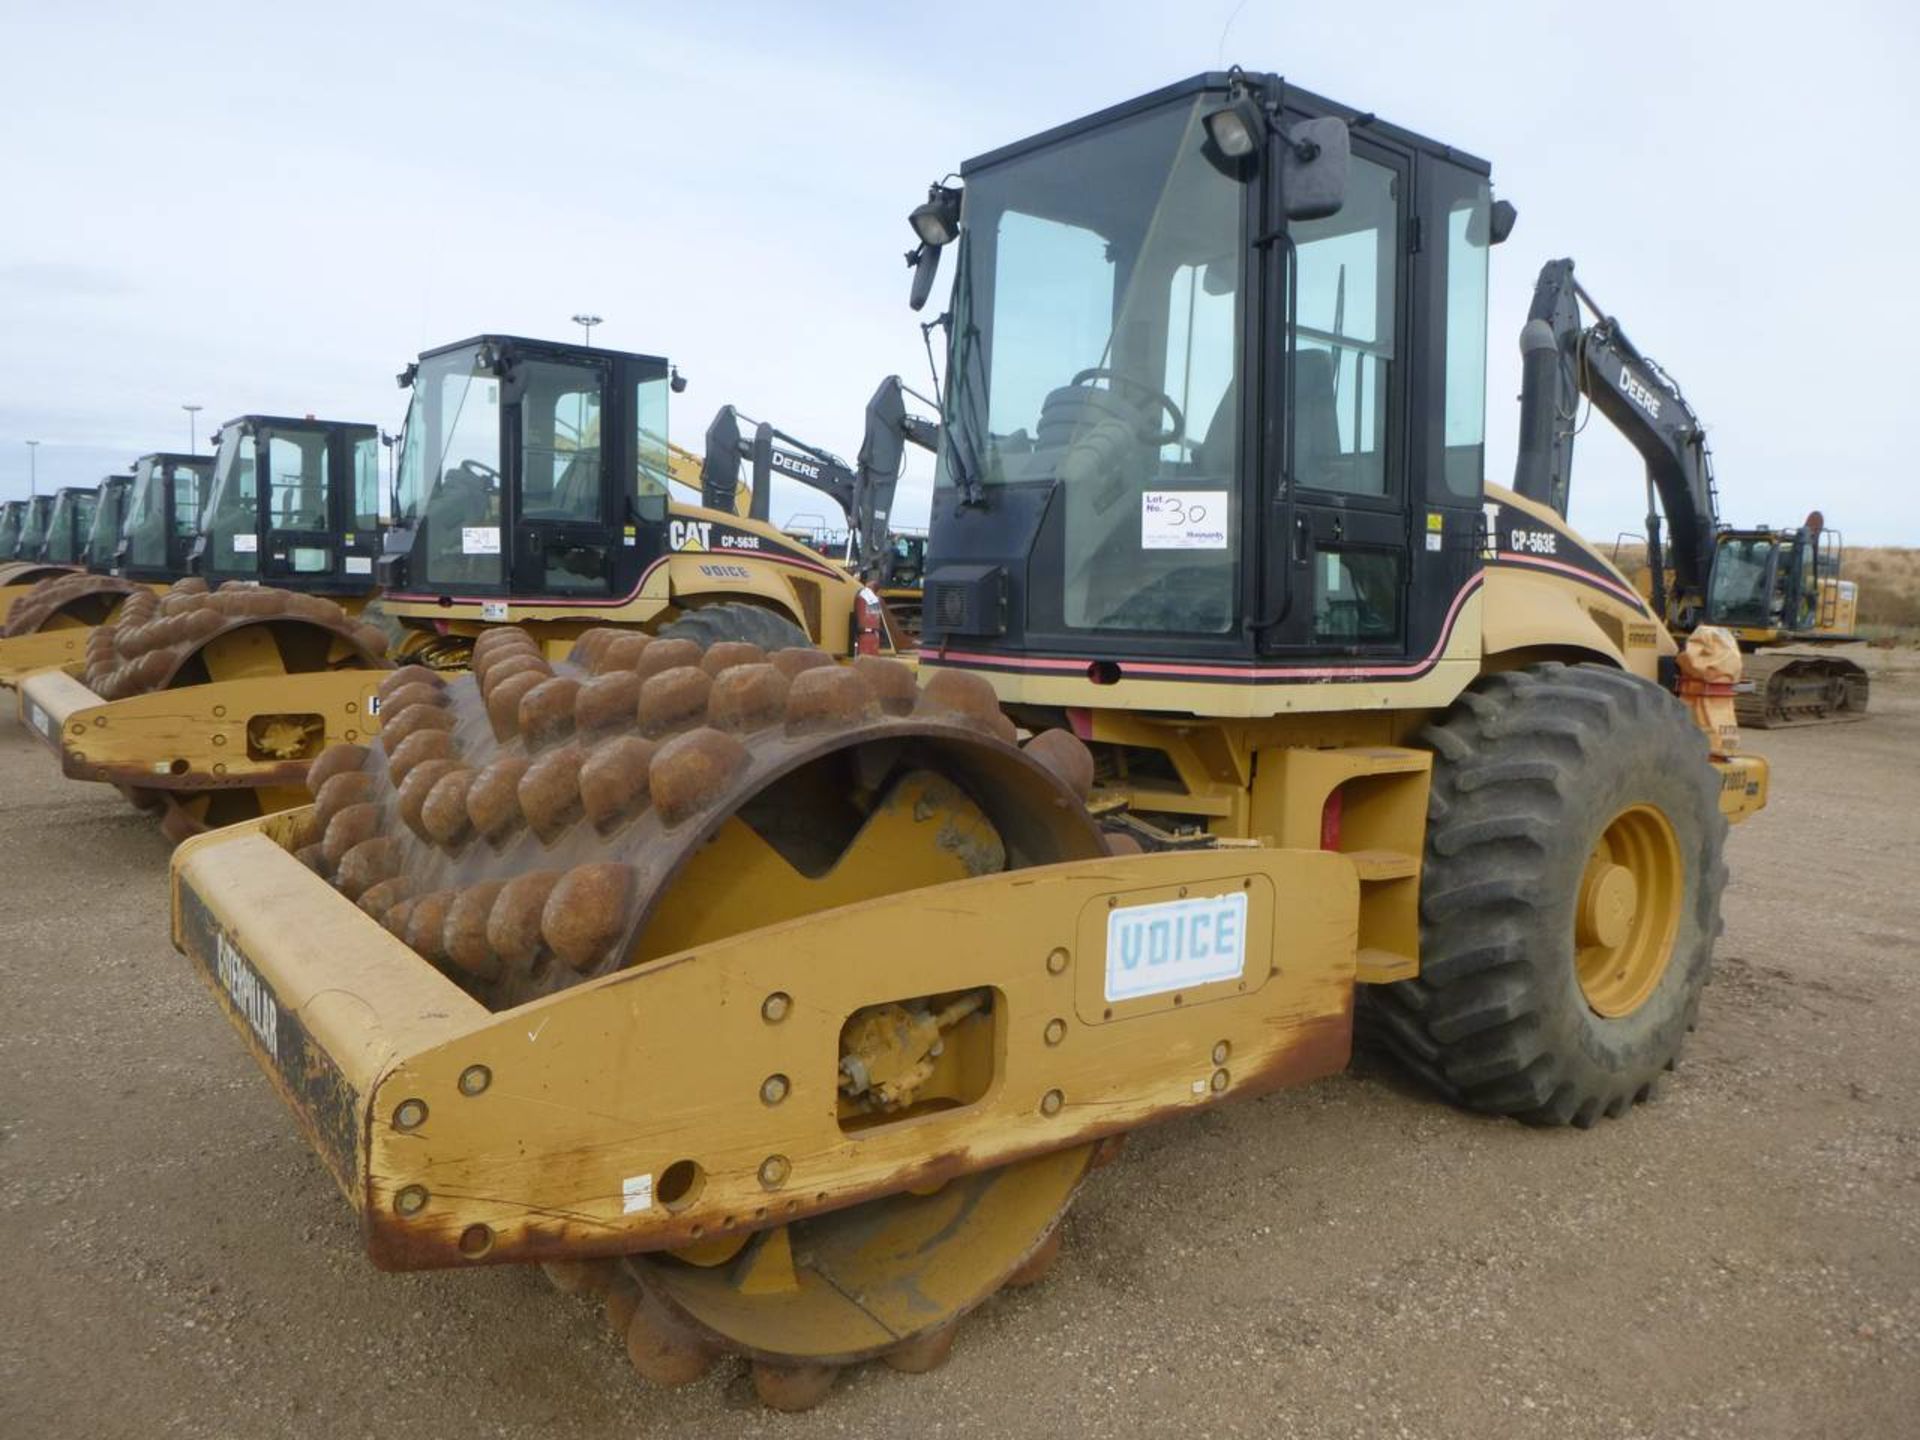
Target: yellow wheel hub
(1628, 911)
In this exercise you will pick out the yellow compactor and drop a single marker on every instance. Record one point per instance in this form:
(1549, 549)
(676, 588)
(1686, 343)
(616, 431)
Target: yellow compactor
(206, 700)
(785, 1005)
(534, 490)
(139, 534)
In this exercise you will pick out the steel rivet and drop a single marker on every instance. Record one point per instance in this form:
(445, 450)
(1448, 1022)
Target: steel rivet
(219, 712)
(1051, 1102)
(773, 1089)
(1219, 1081)
(1056, 1031)
(219, 739)
(1056, 960)
(474, 1079)
(409, 1114)
(411, 1200)
(1183, 892)
(1221, 1049)
(219, 767)
(775, 1007)
(774, 1171)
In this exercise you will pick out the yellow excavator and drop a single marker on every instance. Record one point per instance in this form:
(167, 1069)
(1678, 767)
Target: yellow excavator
(785, 1005)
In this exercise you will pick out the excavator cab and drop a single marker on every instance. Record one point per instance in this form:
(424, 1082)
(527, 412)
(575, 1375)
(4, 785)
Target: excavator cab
(163, 516)
(69, 524)
(294, 503)
(530, 469)
(103, 532)
(1783, 583)
(1210, 413)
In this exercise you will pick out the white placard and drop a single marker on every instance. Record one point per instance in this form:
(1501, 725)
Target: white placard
(246, 544)
(359, 564)
(1175, 945)
(1183, 520)
(479, 539)
(493, 610)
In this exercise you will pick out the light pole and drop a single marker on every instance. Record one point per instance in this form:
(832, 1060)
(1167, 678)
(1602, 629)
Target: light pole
(586, 324)
(193, 439)
(33, 467)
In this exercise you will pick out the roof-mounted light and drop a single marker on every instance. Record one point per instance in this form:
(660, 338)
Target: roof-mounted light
(937, 220)
(1238, 127)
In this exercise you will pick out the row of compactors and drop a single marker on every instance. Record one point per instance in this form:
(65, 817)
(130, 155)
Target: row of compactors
(606, 884)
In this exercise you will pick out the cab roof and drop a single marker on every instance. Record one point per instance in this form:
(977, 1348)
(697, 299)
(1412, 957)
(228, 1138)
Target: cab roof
(554, 347)
(1218, 80)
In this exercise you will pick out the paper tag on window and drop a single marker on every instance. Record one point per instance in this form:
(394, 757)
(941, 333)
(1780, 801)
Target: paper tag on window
(246, 544)
(479, 539)
(1183, 520)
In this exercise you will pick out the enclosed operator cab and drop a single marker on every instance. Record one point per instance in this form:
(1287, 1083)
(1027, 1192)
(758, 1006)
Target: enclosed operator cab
(13, 515)
(103, 532)
(530, 469)
(163, 516)
(294, 503)
(1201, 430)
(69, 524)
(1770, 585)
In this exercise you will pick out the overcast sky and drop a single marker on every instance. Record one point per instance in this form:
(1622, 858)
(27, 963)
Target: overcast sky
(274, 207)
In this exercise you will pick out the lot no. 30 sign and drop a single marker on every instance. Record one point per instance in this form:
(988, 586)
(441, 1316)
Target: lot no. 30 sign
(1183, 520)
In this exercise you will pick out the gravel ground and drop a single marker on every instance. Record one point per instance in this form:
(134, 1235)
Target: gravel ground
(1741, 1258)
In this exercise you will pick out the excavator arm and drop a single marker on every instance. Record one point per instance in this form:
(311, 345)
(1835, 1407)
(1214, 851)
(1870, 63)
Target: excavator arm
(1564, 358)
(863, 491)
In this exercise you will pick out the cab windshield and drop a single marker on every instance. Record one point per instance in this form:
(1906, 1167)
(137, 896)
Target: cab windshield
(450, 469)
(33, 529)
(10, 519)
(67, 529)
(233, 524)
(103, 533)
(1742, 587)
(1097, 315)
(162, 517)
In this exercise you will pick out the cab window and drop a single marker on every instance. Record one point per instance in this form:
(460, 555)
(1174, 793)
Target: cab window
(1343, 336)
(298, 478)
(559, 442)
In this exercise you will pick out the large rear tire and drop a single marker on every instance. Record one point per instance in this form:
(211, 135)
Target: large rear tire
(1570, 897)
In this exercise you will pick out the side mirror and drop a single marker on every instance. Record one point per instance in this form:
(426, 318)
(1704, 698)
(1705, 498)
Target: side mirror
(925, 260)
(1313, 168)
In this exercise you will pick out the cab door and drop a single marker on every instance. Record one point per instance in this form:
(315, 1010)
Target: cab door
(297, 523)
(1335, 487)
(564, 540)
